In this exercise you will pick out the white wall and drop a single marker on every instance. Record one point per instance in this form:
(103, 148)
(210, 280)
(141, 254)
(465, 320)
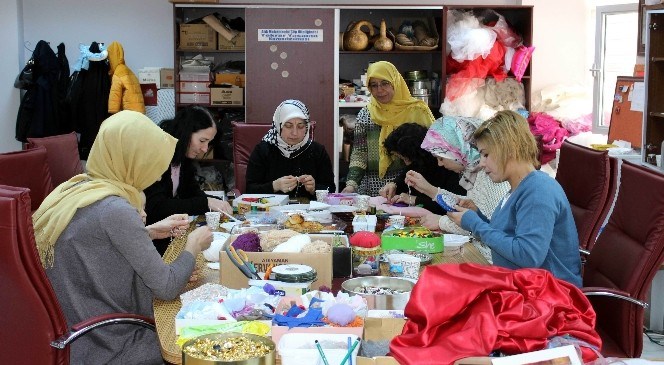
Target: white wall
(10, 65)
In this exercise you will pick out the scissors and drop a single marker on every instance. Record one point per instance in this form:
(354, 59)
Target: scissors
(241, 261)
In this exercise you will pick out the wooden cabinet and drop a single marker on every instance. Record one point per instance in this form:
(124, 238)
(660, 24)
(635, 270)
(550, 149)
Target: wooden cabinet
(653, 116)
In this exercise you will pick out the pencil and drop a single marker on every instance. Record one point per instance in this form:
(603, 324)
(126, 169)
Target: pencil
(350, 361)
(349, 354)
(322, 354)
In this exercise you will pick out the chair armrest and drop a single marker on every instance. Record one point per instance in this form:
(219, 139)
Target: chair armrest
(81, 328)
(614, 293)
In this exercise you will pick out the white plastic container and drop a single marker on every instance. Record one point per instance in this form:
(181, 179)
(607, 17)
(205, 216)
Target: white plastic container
(364, 223)
(300, 348)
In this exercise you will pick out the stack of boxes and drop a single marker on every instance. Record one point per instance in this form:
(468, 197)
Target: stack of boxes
(194, 81)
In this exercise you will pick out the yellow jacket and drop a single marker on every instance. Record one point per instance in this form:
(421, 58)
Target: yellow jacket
(126, 91)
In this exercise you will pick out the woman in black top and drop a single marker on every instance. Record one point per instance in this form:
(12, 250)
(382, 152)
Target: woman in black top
(404, 143)
(287, 159)
(178, 191)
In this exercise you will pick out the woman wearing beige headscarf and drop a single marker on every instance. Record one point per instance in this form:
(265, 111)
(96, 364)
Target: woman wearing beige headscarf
(98, 254)
(391, 105)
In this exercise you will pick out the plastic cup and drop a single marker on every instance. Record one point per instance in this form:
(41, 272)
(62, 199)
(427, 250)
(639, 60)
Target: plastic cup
(212, 219)
(396, 265)
(396, 221)
(321, 196)
(411, 267)
(362, 202)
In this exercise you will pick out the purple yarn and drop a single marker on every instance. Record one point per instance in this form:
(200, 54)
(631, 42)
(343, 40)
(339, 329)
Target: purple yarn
(341, 314)
(248, 242)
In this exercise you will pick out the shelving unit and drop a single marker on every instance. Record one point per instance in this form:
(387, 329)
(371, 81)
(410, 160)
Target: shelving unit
(653, 118)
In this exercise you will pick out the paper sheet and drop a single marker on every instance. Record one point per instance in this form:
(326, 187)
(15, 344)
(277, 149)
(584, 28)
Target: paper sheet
(638, 97)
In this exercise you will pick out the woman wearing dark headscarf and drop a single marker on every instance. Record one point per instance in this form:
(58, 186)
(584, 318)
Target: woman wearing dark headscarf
(288, 160)
(391, 105)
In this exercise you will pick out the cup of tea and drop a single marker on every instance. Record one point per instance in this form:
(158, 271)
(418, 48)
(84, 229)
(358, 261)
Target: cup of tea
(212, 219)
(396, 221)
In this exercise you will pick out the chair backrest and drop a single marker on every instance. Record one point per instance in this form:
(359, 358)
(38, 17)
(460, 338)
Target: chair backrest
(585, 175)
(27, 169)
(245, 138)
(626, 257)
(31, 316)
(63, 159)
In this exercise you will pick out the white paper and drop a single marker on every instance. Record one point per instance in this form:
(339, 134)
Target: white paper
(638, 97)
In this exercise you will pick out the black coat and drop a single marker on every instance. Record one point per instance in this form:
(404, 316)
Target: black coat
(267, 164)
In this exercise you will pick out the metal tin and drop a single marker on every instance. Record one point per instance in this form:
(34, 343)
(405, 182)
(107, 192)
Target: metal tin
(392, 301)
(416, 75)
(269, 359)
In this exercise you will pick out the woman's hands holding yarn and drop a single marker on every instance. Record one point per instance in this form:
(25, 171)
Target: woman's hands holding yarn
(217, 205)
(175, 225)
(418, 182)
(285, 184)
(388, 190)
(309, 183)
(199, 240)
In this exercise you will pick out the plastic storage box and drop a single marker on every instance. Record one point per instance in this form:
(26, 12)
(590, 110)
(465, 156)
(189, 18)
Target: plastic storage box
(300, 348)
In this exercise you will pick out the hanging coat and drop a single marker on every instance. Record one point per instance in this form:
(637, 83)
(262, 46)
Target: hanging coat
(125, 91)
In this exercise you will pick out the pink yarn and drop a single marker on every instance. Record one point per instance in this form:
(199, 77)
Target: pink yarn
(552, 132)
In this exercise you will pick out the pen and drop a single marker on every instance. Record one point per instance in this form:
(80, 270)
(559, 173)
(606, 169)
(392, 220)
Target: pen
(322, 354)
(350, 361)
(350, 351)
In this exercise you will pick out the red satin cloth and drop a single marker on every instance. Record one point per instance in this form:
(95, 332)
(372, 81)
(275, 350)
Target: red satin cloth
(468, 76)
(462, 310)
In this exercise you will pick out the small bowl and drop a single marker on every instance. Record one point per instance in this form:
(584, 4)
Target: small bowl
(381, 301)
(268, 359)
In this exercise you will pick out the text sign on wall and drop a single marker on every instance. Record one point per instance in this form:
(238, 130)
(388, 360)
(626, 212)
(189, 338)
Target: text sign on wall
(290, 35)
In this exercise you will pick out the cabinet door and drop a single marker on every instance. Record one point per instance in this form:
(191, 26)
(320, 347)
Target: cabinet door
(654, 113)
(296, 67)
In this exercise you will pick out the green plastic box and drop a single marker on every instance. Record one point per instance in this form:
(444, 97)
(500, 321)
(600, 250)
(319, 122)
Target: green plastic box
(402, 239)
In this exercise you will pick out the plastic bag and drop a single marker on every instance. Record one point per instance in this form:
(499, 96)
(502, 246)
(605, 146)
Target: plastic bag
(497, 23)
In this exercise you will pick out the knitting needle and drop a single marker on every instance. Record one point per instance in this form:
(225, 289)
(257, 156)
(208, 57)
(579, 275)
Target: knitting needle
(230, 216)
(322, 354)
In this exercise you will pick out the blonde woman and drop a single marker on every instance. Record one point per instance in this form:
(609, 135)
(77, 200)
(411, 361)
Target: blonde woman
(532, 227)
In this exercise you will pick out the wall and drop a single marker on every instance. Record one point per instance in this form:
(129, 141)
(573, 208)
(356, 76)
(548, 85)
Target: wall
(145, 29)
(9, 96)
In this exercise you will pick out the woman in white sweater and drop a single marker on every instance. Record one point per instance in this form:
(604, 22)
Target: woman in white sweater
(449, 139)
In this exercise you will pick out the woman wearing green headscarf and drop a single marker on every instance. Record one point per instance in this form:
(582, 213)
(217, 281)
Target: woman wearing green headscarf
(391, 105)
(96, 250)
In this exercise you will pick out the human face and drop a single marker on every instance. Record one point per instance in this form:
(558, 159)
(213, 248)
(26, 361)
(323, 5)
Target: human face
(489, 164)
(382, 90)
(200, 142)
(450, 164)
(142, 213)
(293, 131)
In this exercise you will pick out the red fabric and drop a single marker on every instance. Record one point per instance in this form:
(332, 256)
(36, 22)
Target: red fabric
(462, 310)
(467, 76)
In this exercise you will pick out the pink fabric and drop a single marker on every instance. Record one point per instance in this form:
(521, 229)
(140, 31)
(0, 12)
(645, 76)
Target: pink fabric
(175, 178)
(552, 132)
(381, 204)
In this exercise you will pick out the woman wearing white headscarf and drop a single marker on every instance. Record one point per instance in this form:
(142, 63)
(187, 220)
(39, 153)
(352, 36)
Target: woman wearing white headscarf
(288, 160)
(96, 250)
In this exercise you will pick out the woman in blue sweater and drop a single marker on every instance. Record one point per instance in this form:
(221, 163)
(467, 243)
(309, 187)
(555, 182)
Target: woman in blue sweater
(532, 227)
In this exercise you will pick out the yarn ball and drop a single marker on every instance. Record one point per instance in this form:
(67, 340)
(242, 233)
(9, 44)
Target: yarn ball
(341, 314)
(365, 239)
(248, 242)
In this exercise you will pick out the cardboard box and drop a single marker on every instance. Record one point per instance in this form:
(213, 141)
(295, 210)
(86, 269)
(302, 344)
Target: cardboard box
(166, 78)
(390, 240)
(195, 76)
(197, 37)
(231, 277)
(230, 79)
(194, 98)
(235, 44)
(149, 75)
(226, 96)
(194, 87)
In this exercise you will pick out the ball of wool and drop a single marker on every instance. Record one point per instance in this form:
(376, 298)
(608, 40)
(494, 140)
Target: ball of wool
(341, 314)
(249, 242)
(365, 239)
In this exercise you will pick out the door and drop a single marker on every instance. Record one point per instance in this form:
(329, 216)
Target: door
(615, 55)
(289, 55)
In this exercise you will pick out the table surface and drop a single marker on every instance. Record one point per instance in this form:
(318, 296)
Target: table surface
(166, 310)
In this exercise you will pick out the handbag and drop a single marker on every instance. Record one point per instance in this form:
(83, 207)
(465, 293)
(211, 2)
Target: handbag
(26, 78)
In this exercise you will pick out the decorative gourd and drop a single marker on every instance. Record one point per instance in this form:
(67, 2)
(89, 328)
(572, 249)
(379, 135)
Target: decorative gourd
(355, 39)
(383, 43)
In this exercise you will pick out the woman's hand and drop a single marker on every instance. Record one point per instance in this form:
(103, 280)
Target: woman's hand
(348, 189)
(388, 190)
(199, 240)
(418, 182)
(403, 198)
(175, 225)
(217, 205)
(466, 203)
(431, 221)
(309, 183)
(456, 216)
(285, 184)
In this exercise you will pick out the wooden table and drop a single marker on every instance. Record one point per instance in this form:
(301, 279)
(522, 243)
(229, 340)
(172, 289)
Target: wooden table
(165, 310)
